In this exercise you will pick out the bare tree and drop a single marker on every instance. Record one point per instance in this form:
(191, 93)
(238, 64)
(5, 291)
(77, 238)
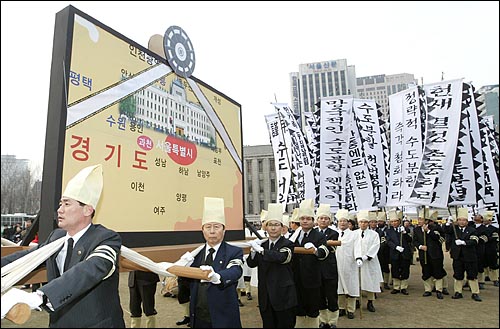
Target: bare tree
(20, 191)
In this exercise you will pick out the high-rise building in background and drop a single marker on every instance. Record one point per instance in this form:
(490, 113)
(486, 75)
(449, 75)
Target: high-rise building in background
(489, 98)
(380, 87)
(320, 79)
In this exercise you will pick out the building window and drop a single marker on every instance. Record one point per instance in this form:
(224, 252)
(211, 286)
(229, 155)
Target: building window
(261, 204)
(273, 185)
(271, 165)
(249, 186)
(261, 186)
(250, 207)
(260, 166)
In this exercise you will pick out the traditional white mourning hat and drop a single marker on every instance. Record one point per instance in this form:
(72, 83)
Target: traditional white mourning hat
(342, 213)
(306, 208)
(86, 186)
(213, 211)
(463, 213)
(488, 215)
(363, 215)
(274, 213)
(382, 216)
(323, 210)
(295, 216)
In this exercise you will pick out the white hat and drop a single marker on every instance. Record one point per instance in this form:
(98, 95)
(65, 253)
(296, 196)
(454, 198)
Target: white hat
(86, 186)
(323, 210)
(274, 212)
(295, 216)
(433, 215)
(463, 213)
(423, 213)
(286, 220)
(372, 215)
(363, 215)
(306, 208)
(213, 211)
(488, 215)
(381, 215)
(342, 213)
(393, 215)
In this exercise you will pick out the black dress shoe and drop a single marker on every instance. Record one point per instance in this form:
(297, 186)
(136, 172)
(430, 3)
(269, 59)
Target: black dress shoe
(240, 303)
(249, 296)
(495, 283)
(487, 278)
(457, 295)
(386, 286)
(357, 304)
(476, 298)
(439, 295)
(404, 292)
(481, 286)
(427, 294)
(370, 306)
(395, 291)
(341, 312)
(445, 292)
(324, 325)
(183, 321)
(350, 315)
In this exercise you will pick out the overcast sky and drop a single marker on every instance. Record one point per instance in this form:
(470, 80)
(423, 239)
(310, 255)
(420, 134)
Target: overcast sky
(246, 50)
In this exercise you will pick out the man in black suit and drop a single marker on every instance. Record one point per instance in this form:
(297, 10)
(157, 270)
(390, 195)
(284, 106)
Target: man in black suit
(463, 253)
(329, 306)
(428, 239)
(276, 289)
(306, 267)
(82, 288)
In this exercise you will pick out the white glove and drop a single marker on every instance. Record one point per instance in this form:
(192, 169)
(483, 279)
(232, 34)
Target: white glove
(256, 246)
(459, 242)
(402, 229)
(359, 262)
(259, 242)
(212, 276)
(309, 245)
(15, 296)
(187, 257)
(364, 257)
(400, 249)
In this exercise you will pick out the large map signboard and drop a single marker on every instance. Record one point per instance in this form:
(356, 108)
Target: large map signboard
(165, 140)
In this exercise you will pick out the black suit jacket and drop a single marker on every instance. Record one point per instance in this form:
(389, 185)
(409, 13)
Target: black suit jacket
(329, 265)
(86, 295)
(306, 268)
(275, 275)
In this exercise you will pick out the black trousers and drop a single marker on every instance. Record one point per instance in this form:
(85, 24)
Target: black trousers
(277, 319)
(142, 298)
(329, 297)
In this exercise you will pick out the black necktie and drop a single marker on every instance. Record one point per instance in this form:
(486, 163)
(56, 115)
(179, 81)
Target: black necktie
(272, 245)
(342, 234)
(210, 258)
(69, 251)
(362, 234)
